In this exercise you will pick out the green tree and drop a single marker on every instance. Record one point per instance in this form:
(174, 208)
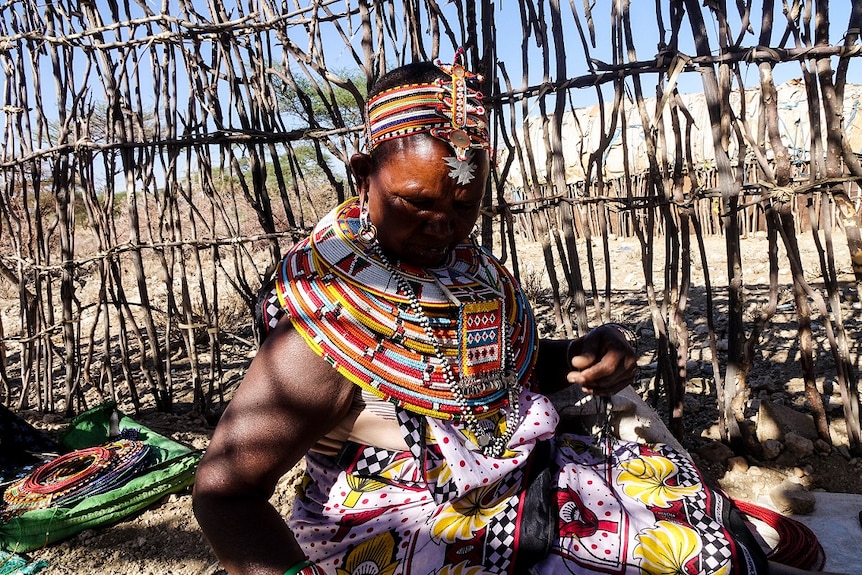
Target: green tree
(319, 103)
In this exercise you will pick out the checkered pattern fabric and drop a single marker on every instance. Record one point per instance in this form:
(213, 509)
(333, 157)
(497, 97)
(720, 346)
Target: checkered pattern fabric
(502, 529)
(372, 461)
(702, 510)
(272, 310)
(412, 426)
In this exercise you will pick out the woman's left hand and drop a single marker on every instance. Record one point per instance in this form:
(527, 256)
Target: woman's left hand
(603, 362)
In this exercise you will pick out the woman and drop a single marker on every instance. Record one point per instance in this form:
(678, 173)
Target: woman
(403, 363)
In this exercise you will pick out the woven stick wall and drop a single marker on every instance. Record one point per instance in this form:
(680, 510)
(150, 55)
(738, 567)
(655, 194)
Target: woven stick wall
(157, 162)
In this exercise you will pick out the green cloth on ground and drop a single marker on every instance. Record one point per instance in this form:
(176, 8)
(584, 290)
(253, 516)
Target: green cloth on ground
(171, 469)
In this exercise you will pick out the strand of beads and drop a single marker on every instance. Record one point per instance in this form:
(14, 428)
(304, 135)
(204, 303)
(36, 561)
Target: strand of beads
(489, 444)
(74, 476)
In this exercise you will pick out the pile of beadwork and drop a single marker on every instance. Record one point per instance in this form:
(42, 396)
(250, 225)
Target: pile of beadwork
(71, 477)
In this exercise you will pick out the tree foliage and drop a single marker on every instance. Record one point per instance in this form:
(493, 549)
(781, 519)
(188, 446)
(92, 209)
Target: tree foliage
(302, 98)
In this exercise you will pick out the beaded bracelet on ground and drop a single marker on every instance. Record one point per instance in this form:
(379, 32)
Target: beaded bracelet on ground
(76, 475)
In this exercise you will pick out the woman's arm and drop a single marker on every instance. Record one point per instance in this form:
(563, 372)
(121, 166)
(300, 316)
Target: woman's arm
(289, 398)
(602, 362)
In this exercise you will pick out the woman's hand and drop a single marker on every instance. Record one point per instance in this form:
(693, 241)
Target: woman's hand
(602, 362)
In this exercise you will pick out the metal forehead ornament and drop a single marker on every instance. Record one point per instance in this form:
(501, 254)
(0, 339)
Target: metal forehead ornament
(462, 171)
(460, 109)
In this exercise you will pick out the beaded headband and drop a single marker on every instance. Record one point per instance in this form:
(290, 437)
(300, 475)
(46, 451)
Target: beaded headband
(447, 109)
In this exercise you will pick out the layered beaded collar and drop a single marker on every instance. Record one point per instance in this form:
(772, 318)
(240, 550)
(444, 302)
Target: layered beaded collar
(397, 332)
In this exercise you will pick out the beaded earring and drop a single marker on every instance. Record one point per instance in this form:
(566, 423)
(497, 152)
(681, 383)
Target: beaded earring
(367, 232)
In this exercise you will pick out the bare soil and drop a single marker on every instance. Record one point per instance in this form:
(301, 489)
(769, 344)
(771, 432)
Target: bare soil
(165, 539)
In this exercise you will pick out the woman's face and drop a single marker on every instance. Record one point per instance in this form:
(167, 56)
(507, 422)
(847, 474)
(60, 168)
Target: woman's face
(419, 210)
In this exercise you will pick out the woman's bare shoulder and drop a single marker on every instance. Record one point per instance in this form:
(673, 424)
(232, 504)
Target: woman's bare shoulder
(289, 398)
(287, 364)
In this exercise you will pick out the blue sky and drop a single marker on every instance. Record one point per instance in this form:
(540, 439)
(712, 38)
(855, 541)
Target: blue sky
(646, 38)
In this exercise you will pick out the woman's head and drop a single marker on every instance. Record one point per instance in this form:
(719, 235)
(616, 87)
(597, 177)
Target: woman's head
(420, 211)
(423, 179)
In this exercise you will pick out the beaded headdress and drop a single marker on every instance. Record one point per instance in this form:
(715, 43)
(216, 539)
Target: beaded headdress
(448, 109)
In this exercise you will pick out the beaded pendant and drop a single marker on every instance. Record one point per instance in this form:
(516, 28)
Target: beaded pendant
(481, 369)
(480, 330)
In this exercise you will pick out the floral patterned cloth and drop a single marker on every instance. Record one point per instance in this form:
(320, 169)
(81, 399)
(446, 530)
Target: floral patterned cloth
(551, 503)
(555, 504)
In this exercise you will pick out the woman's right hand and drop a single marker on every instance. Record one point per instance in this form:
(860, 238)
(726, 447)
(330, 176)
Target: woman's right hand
(603, 361)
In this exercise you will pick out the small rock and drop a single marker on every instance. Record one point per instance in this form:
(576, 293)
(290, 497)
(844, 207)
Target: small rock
(798, 472)
(834, 404)
(738, 464)
(754, 405)
(798, 445)
(821, 446)
(712, 432)
(791, 498)
(716, 452)
(774, 420)
(771, 448)
(691, 404)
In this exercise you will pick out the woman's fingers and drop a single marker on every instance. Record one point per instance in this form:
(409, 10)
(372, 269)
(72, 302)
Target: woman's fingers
(604, 362)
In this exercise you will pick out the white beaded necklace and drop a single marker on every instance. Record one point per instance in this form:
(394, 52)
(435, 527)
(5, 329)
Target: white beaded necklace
(487, 442)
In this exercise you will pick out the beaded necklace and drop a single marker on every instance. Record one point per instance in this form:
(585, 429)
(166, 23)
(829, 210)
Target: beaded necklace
(76, 475)
(395, 333)
(489, 443)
